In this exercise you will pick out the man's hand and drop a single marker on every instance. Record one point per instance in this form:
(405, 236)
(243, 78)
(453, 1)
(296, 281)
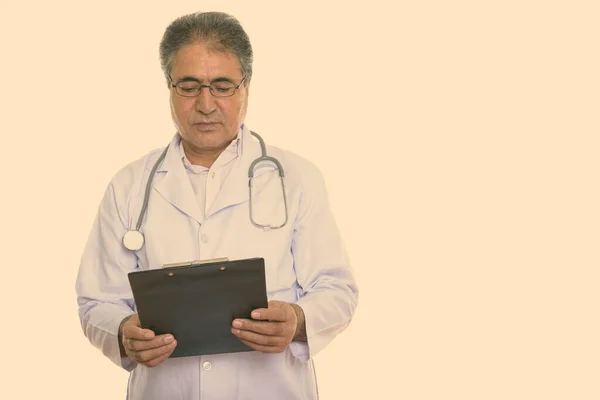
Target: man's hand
(142, 345)
(272, 329)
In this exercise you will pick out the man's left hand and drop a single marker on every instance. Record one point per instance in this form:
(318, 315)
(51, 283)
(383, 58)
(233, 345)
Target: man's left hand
(272, 329)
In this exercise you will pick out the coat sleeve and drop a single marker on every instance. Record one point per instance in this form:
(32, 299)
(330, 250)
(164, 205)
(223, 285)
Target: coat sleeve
(328, 290)
(104, 296)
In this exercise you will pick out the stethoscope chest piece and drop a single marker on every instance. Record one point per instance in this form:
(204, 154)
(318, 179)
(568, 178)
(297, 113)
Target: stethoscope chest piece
(133, 240)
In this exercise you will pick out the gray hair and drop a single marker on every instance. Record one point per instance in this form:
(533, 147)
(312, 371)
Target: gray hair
(221, 31)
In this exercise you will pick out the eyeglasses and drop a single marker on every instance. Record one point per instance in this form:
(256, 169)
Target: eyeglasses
(218, 89)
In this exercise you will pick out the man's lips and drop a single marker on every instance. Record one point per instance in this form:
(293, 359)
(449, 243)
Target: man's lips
(206, 127)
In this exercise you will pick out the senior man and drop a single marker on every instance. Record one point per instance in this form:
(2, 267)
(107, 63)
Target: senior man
(199, 208)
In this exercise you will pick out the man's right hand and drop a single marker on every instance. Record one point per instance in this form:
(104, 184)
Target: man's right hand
(142, 345)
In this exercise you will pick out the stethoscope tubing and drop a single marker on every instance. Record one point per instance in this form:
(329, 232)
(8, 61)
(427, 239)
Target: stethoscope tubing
(134, 239)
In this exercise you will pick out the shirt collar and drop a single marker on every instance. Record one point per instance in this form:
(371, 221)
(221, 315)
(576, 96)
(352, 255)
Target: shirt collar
(231, 152)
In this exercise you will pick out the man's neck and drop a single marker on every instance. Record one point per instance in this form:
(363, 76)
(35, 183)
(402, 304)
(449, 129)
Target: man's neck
(205, 158)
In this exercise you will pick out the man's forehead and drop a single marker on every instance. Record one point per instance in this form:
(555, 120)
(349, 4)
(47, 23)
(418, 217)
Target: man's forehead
(201, 54)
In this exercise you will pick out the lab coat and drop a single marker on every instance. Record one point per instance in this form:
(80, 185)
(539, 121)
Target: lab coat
(305, 261)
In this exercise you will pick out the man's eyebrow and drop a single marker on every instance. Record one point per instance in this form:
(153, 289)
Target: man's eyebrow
(223, 79)
(189, 78)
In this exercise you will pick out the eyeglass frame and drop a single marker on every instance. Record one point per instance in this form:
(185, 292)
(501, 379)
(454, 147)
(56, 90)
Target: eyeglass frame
(210, 88)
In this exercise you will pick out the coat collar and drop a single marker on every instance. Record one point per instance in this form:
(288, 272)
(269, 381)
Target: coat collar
(176, 188)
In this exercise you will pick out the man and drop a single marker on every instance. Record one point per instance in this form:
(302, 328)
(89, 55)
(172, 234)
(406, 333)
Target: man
(199, 208)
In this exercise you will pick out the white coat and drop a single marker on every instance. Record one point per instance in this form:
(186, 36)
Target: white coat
(305, 263)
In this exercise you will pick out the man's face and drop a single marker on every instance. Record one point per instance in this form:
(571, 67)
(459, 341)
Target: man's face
(207, 123)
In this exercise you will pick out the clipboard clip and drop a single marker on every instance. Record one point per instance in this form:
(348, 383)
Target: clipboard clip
(197, 262)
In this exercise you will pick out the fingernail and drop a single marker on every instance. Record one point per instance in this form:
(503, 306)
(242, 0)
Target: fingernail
(147, 335)
(255, 314)
(168, 339)
(237, 324)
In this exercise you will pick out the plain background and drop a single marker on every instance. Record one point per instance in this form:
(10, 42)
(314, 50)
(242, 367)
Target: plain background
(459, 141)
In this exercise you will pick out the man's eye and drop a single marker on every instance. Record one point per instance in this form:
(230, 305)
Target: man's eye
(222, 87)
(188, 88)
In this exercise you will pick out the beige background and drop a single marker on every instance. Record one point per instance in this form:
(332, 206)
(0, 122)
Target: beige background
(459, 143)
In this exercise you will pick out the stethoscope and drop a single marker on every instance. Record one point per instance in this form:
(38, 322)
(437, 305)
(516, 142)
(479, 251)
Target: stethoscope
(134, 240)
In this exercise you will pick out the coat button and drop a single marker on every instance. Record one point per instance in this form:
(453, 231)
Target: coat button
(204, 238)
(206, 366)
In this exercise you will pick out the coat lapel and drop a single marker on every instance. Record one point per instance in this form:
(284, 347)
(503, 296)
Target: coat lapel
(175, 187)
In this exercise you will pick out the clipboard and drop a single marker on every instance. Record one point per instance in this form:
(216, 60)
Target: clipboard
(198, 301)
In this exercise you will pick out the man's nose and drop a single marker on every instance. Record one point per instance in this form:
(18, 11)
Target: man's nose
(205, 101)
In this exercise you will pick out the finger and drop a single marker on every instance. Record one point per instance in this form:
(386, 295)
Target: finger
(264, 349)
(160, 359)
(146, 356)
(271, 314)
(258, 339)
(141, 345)
(132, 329)
(262, 327)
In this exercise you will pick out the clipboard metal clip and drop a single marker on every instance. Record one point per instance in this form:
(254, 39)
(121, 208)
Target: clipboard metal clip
(197, 262)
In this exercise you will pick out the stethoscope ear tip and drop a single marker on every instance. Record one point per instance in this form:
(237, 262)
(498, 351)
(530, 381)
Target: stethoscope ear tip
(133, 240)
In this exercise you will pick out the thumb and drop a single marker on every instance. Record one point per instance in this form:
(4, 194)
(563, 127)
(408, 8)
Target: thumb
(133, 329)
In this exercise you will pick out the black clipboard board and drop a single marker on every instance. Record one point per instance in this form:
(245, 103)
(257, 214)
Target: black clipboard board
(198, 302)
